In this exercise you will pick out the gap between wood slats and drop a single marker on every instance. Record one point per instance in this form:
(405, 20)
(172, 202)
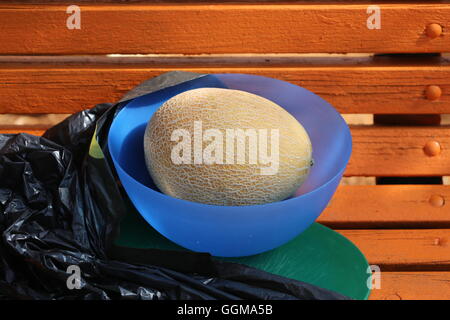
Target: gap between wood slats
(43, 121)
(220, 28)
(389, 151)
(30, 121)
(200, 60)
(235, 59)
(365, 88)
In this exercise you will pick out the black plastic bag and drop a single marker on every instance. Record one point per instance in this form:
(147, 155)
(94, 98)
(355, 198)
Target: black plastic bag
(61, 207)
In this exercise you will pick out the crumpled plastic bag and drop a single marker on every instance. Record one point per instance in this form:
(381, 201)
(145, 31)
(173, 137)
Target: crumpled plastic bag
(61, 206)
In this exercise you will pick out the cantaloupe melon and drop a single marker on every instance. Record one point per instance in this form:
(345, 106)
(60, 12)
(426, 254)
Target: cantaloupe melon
(201, 146)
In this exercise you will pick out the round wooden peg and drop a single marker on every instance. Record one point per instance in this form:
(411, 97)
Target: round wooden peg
(433, 30)
(436, 200)
(433, 92)
(432, 148)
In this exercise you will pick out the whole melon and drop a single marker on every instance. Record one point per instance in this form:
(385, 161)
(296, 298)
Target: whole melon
(226, 147)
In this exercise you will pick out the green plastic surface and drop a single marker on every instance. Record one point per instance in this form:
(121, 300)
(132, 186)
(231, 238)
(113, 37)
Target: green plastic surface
(319, 256)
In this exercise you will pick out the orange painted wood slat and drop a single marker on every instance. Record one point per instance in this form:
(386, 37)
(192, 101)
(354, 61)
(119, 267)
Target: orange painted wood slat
(392, 151)
(388, 206)
(370, 88)
(221, 28)
(28, 131)
(413, 286)
(381, 206)
(413, 249)
(398, 151)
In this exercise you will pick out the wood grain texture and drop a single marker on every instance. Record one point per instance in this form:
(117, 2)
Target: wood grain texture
(388, 151)
(381, 206)
(413, 286)
(367, 88)
(388, 206)
(408, 249)
(210, 1)
(398, 151)
(16, 131)
(221, 28)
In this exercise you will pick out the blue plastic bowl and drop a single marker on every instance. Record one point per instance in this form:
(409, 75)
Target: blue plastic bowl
(233, 231)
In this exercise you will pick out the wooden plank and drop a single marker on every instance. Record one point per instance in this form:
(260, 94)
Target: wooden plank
(398, 151)
(221, 28)
(413, 286)
(392, 151)
(381, 206)
(389, 206)
(28, 131)
(367, 88)
(200, 1)
(407, 249)
(410, 120)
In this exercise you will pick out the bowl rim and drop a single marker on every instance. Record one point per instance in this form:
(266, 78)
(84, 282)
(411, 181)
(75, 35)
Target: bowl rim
(163, 195)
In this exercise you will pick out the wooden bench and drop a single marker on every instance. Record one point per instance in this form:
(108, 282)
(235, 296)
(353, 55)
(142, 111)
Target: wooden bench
(47, 68)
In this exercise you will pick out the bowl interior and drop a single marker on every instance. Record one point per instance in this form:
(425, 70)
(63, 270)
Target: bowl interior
(329, 134)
